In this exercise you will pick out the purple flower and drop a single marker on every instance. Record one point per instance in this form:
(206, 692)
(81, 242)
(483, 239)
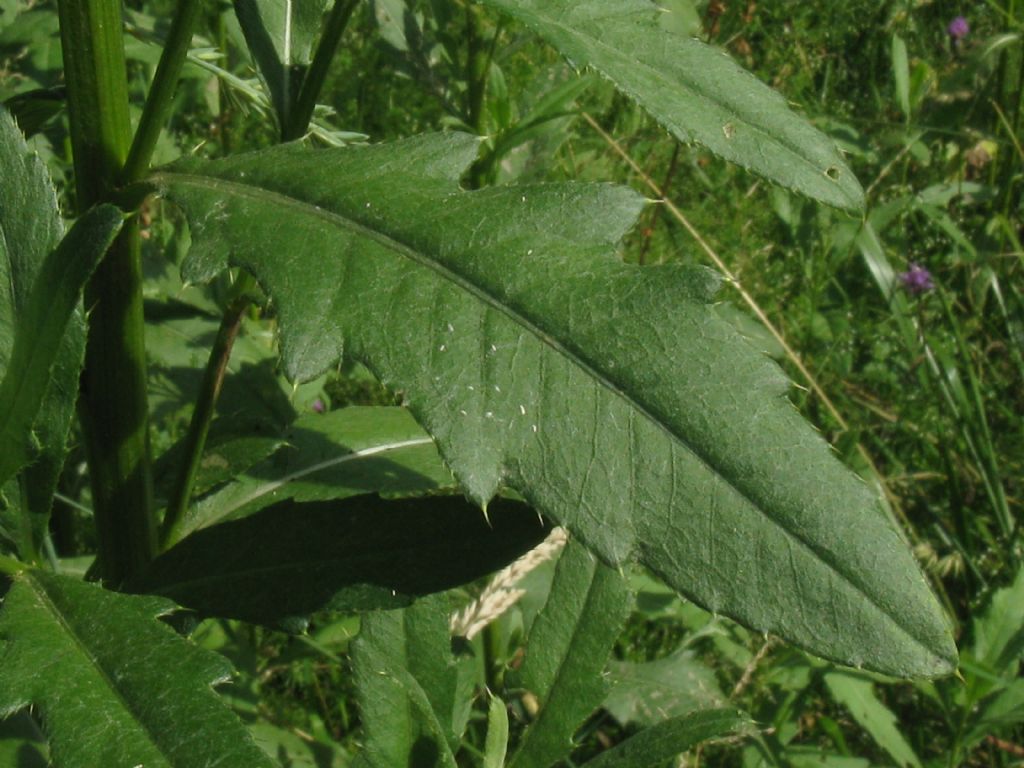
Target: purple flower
(916, 280)
(318, 406)
(958, 28)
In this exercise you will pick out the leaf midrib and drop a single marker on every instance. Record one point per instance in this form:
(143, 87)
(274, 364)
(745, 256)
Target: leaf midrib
(273, 197)
(298, 474)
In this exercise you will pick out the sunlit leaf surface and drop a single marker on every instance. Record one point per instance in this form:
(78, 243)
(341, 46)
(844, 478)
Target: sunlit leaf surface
(40, 396)
(610, 396)
(694, 90)
(112, 684)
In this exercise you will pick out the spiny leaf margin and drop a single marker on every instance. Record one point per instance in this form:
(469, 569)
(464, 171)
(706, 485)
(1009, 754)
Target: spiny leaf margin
(696, 91)
(609, 395)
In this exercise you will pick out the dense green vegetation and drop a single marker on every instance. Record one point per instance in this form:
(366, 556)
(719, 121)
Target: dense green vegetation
(902, 327)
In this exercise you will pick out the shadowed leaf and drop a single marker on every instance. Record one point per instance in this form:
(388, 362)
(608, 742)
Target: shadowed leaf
(283, 563)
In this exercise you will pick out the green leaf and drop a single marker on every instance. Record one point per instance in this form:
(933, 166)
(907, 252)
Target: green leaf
(112, 685)
(1002, 709)
(680, 17)
(394, 20)
(177, 347)
(815, 757)
(566, 653)
(999, 631)
(657, 690)
(609, 395)
(281, 564)
(497, 734)
(857, 694)
(39, 333)
(281, 35)
(30, 229)
(22, 744)
(233, 446)
(694, 90)
(659, 743)
(295, 748)
(408, 686)
(901, 74)
(339, 454)
(33, 109)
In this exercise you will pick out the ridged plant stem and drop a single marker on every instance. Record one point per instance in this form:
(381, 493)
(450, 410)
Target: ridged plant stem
(113, 406)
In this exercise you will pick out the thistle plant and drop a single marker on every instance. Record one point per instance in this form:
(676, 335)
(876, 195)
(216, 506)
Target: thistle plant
(544, 383)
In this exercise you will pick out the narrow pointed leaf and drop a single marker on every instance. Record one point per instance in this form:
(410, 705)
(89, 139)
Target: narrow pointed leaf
(281, 564)
(655, 745)
(280, 35)
(694, 90)
(901, 74)
(112, 684)
(407, 686)
(39, 331)
(496, 744)
(30, 229)
(609, 395)
(566, 653)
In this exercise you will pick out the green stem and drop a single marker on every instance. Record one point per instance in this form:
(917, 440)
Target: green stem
(216, 366)
(28, 546)
(223, 108)
(478, 71)
(1011, 163)
(113, 411)
(51, 553)
(494, 672)
(313, 82)
(112, 407)
(161, 93)
(477, 62)
(10, 567)
(199, 426)
(97, 88)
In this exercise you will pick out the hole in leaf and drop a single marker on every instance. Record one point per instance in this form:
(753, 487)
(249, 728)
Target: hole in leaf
(832, 172)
